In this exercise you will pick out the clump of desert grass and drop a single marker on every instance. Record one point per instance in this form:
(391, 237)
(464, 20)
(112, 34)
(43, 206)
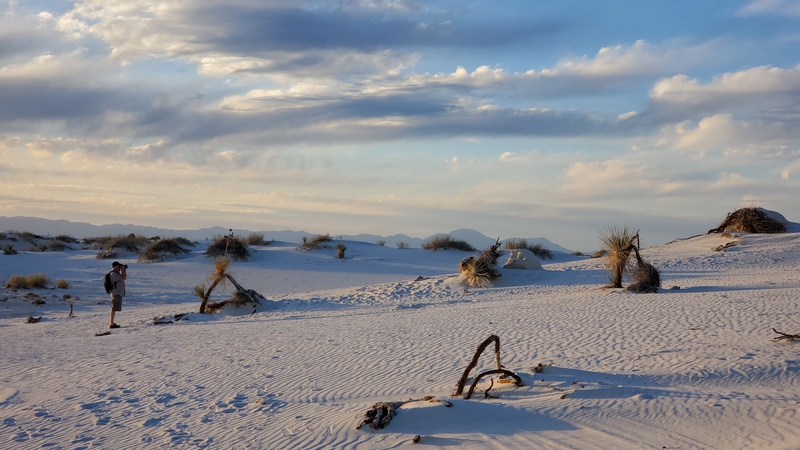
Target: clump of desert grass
(380, 242)
(163, 249)
(62, 284)
(254, 239)
(108, 246)
(314, 242)
(9, 250)
(481, 271)
(403, 245)
(749, 220)
(645, 278)
(228, 246)
(32, 281)
(618, 244)
(447, 242)
(67, 239)
(537, 249)
(340, 248)
(55, 246)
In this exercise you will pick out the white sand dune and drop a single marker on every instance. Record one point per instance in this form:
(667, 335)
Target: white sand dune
(688, 368)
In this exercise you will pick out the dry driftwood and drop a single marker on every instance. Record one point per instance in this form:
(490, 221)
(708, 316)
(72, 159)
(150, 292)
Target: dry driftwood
(785, 336)
(518, 381)
(493, 338)
(382, 413)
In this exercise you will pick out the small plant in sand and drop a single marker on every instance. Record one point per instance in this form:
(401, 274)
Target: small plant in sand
(380, 242)
(67, 239)
(618, 243)
(38, 281)
(109, 246)
(228, 246)
(645, 277)
(481, 271)
(9, 250)
(221, 275)
(537, 249)
(314, 242)
(402, 245)
(17, 282)
(55, 246)
(163, 249)
(447, 242)
(62, 284)
(749, 220)
(254, 239)
(340, 248)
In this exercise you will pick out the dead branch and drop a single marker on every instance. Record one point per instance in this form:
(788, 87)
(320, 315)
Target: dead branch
(518, 380)
(382, 413)
(539, 368)
(493, 338)
(785, 336)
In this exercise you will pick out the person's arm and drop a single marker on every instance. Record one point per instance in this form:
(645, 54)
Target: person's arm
(124, 273)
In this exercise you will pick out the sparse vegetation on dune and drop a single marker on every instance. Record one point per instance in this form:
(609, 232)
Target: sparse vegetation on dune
(163, 249)
(749, 220)
(67, 239)
(402, 245)
(221, 275)
(447, 242)
(254, 239)
(537, 249)
(62, 284)
(314, 242)
(340, 248)
(228, 246)
(109, 246)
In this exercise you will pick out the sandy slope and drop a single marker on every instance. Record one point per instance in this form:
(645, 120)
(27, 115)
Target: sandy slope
(687, 368)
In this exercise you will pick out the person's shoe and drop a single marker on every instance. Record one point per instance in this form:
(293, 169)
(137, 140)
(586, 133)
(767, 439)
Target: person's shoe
(113, 325)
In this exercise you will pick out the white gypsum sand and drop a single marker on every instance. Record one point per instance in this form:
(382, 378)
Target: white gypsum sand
(688, 368)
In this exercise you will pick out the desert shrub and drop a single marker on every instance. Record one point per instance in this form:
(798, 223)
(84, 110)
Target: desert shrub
(28, 236)
(749, 220)
(183, 242)
(481, 271)
(38, 281)
(577, 253)
(130, 243)
(17, 282)
(537, 249)
(56, 246)
(618, 243)
(254, 239)
(446, 242)
(62, 284)
(2, 236)
(228, 246)
(161, 250)
(380, 242)
(313, 242)
(402, 245)
(9, 250)
(103, 254)
(645, 278)
(67, 239)
(340, 248)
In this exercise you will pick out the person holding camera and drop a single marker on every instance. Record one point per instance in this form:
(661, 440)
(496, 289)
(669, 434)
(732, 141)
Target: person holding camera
(119, 273)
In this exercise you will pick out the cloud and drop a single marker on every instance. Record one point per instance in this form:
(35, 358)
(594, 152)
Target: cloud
(771, 7)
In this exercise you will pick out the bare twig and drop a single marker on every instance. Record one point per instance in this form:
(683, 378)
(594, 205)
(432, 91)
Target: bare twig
(785, 336)
(518, 380)
(493, 338)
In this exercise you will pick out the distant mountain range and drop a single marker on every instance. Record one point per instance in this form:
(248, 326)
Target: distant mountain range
(47, 227)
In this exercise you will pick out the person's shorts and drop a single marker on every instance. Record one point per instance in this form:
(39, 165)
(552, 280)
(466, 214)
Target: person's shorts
(116, 303)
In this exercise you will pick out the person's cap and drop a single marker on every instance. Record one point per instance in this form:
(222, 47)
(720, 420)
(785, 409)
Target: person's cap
(115, 264)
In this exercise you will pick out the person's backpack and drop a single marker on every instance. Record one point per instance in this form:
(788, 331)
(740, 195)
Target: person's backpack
(108, 284)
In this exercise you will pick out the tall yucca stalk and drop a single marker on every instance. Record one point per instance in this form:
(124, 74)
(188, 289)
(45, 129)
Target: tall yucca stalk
(618, 242)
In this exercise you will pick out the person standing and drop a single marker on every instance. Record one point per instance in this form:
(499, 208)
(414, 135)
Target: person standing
(119, 273)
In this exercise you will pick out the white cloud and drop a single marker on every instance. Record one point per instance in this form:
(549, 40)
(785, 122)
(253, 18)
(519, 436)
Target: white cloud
(776, 7)
(762, 80)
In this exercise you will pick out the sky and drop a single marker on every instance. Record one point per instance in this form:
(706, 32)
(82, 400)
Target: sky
(515, 118)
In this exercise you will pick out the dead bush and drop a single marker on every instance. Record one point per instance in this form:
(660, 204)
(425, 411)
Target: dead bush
(447, 242)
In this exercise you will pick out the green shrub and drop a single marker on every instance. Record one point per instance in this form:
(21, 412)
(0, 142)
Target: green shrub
(17, 282)
(62, 284)
(314, 242)
(446, 242)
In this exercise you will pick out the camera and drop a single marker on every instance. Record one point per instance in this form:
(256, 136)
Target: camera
(125, 266)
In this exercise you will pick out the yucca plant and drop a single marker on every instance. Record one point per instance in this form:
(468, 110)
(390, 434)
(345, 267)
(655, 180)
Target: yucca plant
(481, 271)
(618, 242)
